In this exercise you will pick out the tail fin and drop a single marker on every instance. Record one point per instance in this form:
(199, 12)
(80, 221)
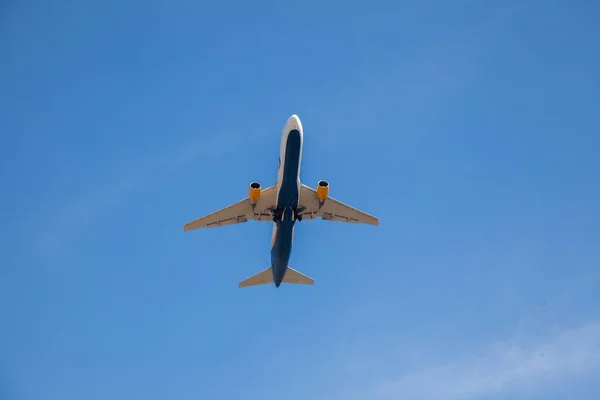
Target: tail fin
(266, 276)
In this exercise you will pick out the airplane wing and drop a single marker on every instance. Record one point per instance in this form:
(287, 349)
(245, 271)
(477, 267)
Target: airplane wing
(239, 212)
(332, 209)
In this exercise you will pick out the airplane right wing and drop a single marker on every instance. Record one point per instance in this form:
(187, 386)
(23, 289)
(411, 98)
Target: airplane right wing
(239, 212)
(331, 209)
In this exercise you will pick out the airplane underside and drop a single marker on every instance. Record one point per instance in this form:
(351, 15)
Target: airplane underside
(284, 203)
(277, 213)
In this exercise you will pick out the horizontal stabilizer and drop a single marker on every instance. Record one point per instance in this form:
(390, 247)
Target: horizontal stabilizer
(266, 276)
(293, 276)
(262, 278)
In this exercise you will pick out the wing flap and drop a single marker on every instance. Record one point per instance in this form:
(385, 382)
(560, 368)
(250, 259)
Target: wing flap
(335, 210)
(237, 213)
(233, 214)
(332, 209)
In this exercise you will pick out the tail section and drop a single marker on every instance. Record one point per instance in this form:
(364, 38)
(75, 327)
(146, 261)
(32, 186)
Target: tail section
(266, 276)
(263, 277)
(293, 276)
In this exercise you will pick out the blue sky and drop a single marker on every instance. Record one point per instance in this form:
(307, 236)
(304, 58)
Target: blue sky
(470, 128)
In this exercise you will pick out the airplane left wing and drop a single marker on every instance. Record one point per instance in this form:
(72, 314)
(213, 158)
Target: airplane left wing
(331, 209)
(239, 212)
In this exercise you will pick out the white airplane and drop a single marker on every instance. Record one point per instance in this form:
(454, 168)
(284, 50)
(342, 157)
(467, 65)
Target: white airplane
(284, 203)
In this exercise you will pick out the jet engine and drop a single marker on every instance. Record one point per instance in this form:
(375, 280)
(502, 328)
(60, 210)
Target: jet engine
(254, 192)
(322, 190)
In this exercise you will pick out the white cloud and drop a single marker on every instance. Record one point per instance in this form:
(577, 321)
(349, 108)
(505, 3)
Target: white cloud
(502, 368)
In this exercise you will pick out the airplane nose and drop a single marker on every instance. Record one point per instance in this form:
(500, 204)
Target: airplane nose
(294, 123)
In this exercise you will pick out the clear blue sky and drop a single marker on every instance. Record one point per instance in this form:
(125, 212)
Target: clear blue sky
(469, 127)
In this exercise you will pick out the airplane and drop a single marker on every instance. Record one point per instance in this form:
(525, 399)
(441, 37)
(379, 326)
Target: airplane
(285, 203)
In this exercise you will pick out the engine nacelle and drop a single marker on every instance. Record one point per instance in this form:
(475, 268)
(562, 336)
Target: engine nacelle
(254, 192)
(322, 190)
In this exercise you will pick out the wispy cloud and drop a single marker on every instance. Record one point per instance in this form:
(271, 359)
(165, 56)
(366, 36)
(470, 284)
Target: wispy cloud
(501, 369)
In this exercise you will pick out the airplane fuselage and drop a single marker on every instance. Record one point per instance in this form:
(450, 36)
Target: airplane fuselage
(285, 203)
(288, 189)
